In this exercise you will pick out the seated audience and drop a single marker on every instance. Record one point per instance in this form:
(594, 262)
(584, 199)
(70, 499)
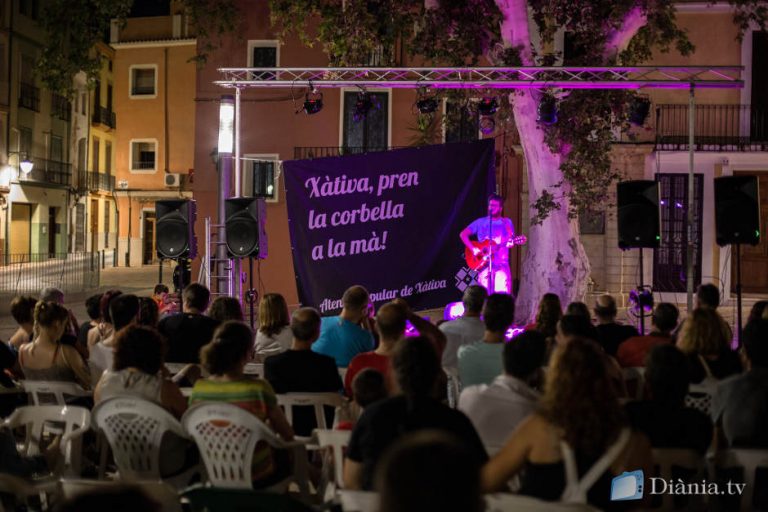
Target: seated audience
(416, 368)
(466, 329)
(149, 315)
(22, 311)
(611, 334)
(47, 359)
(299, 370)
(343, 337)
(104, 329)
(578, 309)
(115, 498)
(709, 354)
(633, 351)
(187, 332)
(708, 297)
(547, 316)
(740, 403)
(664, 418)
(496, 409)
(26, 466)
(574, 326)
(224, 309)
(165, 303)
(124, 311)
(368, 387)
(480, 362)
(429, 470)
(758, 311)
(390, 326)
(93, 309)
(274, 334)
(225, 358)
(53, 294)
(581, 410)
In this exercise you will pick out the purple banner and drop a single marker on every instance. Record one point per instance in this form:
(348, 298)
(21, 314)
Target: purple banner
(389, 221)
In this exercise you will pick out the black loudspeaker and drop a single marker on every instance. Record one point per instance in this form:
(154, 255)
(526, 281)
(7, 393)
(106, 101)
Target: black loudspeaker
(737, 210)
(245, 227)
(175, 228)
(638, 213)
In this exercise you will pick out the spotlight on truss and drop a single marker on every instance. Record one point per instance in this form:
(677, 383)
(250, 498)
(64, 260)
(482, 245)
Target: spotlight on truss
(639, 108)
(546, 113)
(487, 106)
(365, 103)
(313, 102)
(487, 125)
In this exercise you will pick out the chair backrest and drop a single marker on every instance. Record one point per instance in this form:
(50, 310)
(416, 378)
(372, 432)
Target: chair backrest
(134, 429)
(750, 460)
(254, 369)
(226, 436)
(454, 385)
(502, 502)
(700, 396)
(162, 493)
(37, 419)
(678, 463)
(337, 440)
(634, 379)
(43, 392)
(289, 400)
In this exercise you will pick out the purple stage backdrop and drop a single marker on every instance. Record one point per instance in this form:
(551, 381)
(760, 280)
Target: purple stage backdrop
(389, 221)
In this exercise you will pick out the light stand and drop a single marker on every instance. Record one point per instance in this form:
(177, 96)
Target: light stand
(641, 288)
(160, 272)
(251, 295)
(738, 295)
(491, 278)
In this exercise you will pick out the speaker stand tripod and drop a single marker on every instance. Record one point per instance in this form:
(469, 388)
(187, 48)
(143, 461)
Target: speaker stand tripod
(738, 296)
(642, 288)
(251, 296)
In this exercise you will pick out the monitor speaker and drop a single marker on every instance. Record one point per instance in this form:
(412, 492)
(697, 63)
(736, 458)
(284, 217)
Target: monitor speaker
(638, 213)
(737, 210)
(245, 227)
(175, 228)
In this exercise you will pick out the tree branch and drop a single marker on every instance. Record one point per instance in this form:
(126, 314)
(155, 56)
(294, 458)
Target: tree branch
(515, 31)
(620, 38)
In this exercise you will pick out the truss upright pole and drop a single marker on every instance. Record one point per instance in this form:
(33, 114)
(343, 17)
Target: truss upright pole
(238, 262)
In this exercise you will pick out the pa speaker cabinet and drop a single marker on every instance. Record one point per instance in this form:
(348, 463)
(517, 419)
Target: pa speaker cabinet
(737, 210)
(639, 223)
(175, 228)
(246, 227)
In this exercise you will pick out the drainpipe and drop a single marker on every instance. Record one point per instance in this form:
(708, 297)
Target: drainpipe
(165, 106)
(130, 214)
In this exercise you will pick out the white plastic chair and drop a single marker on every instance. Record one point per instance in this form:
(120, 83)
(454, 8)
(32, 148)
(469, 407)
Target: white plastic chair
(454, 385)
(516, 503)
(359, 501)
(290, 400)
(634, 380)
(254, 370)
(748, 459)
(134, 429)
(700, 397)
(227, 435)
(43, 392)
(39, 419)
(665, 459)
(165, 495)
(22, 489)
(337, 440)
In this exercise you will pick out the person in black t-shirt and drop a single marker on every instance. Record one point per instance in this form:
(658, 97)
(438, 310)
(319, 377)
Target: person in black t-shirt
(416, 368)
(189, 331)
(93, 308)
(299, 370)
(611, 333)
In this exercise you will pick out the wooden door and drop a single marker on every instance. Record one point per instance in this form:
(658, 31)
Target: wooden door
(150, 252)
(21, 230)
(51, 231)
(754, 259)
(94, 225)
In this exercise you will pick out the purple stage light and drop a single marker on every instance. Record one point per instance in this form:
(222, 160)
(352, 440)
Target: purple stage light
(453, 310)
(514, 331)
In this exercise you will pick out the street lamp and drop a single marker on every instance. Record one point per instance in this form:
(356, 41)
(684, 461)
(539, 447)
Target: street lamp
(226, 124)
(25, 164)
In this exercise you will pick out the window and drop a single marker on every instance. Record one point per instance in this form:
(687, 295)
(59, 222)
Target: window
(263, 54)
(25, 142)
(143, 154)
(96, 97)
(83, 105)
(370, 133)
(261, 177)
(57, 149)
(106, 225)
(670, 259)
(461, 124)
(95, 155)
(108, 157)
(143, 81)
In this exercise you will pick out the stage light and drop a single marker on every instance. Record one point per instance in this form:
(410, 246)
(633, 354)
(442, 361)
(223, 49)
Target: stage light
(514, 331)
(546, 113)
(313, 102)
(642, 298)
(639, 108)
(365, 103)
(226, 124)
(453, 310)
(487, 125)
(426, 105)
(487, 106)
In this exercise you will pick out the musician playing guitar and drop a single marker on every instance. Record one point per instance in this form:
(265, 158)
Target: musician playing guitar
(501, 233)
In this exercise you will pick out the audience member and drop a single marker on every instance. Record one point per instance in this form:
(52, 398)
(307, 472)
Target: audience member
(165, 304)
(578, 309)
(115, 498)
(104, 329)
(343, 337)
(225, 358)
(758, 311)
(93, 309)
(22, 311)
(416, 369)
(299, 370)
(740, 403)
(53, 294)
(189, 331)
(633, 351)
(708, 297)
(480, 362)
(224, 309)
(709, 354)
(466, 329)
(581, 410)
(149, 315)
(274, 334)
(547, 316)
(574, 326)
(429, 470)
(496, 409)
(26, 466)
(664, 418)
(368, 387)
(47, 359)
(610, 333)
(124, 311)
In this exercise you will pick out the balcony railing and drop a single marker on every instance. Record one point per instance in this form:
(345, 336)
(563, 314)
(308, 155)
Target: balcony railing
(300, 153)
(716, 128)
(102, 115)
(29, 97)
(61, 107)
(95, 181)
(48, 171)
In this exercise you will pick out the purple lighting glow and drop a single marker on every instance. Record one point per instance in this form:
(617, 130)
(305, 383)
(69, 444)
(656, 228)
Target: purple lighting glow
(453, 311)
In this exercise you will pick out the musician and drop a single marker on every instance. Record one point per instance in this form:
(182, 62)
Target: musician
(501, 231)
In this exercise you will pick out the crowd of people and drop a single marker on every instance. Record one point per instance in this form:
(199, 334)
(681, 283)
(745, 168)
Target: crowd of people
(545, 413)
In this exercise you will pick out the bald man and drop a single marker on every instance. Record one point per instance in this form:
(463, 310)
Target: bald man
(300, 370)
(610, 333)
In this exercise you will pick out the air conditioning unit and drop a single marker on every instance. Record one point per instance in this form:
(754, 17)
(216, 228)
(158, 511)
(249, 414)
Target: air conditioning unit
(173, 179)
(122, 184)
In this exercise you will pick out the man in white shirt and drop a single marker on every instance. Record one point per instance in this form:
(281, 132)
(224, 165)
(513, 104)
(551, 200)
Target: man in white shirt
(496, 409)
(466, 329)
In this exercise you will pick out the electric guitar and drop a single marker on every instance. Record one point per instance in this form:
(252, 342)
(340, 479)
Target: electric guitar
(486, 246)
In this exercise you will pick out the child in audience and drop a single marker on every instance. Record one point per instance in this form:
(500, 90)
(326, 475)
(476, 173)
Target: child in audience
(274, 335)
(368, 386)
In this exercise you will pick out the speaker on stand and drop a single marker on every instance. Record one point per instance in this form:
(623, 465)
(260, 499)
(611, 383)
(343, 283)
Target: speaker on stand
(737, 221)
(639, 224)
(175, 236)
